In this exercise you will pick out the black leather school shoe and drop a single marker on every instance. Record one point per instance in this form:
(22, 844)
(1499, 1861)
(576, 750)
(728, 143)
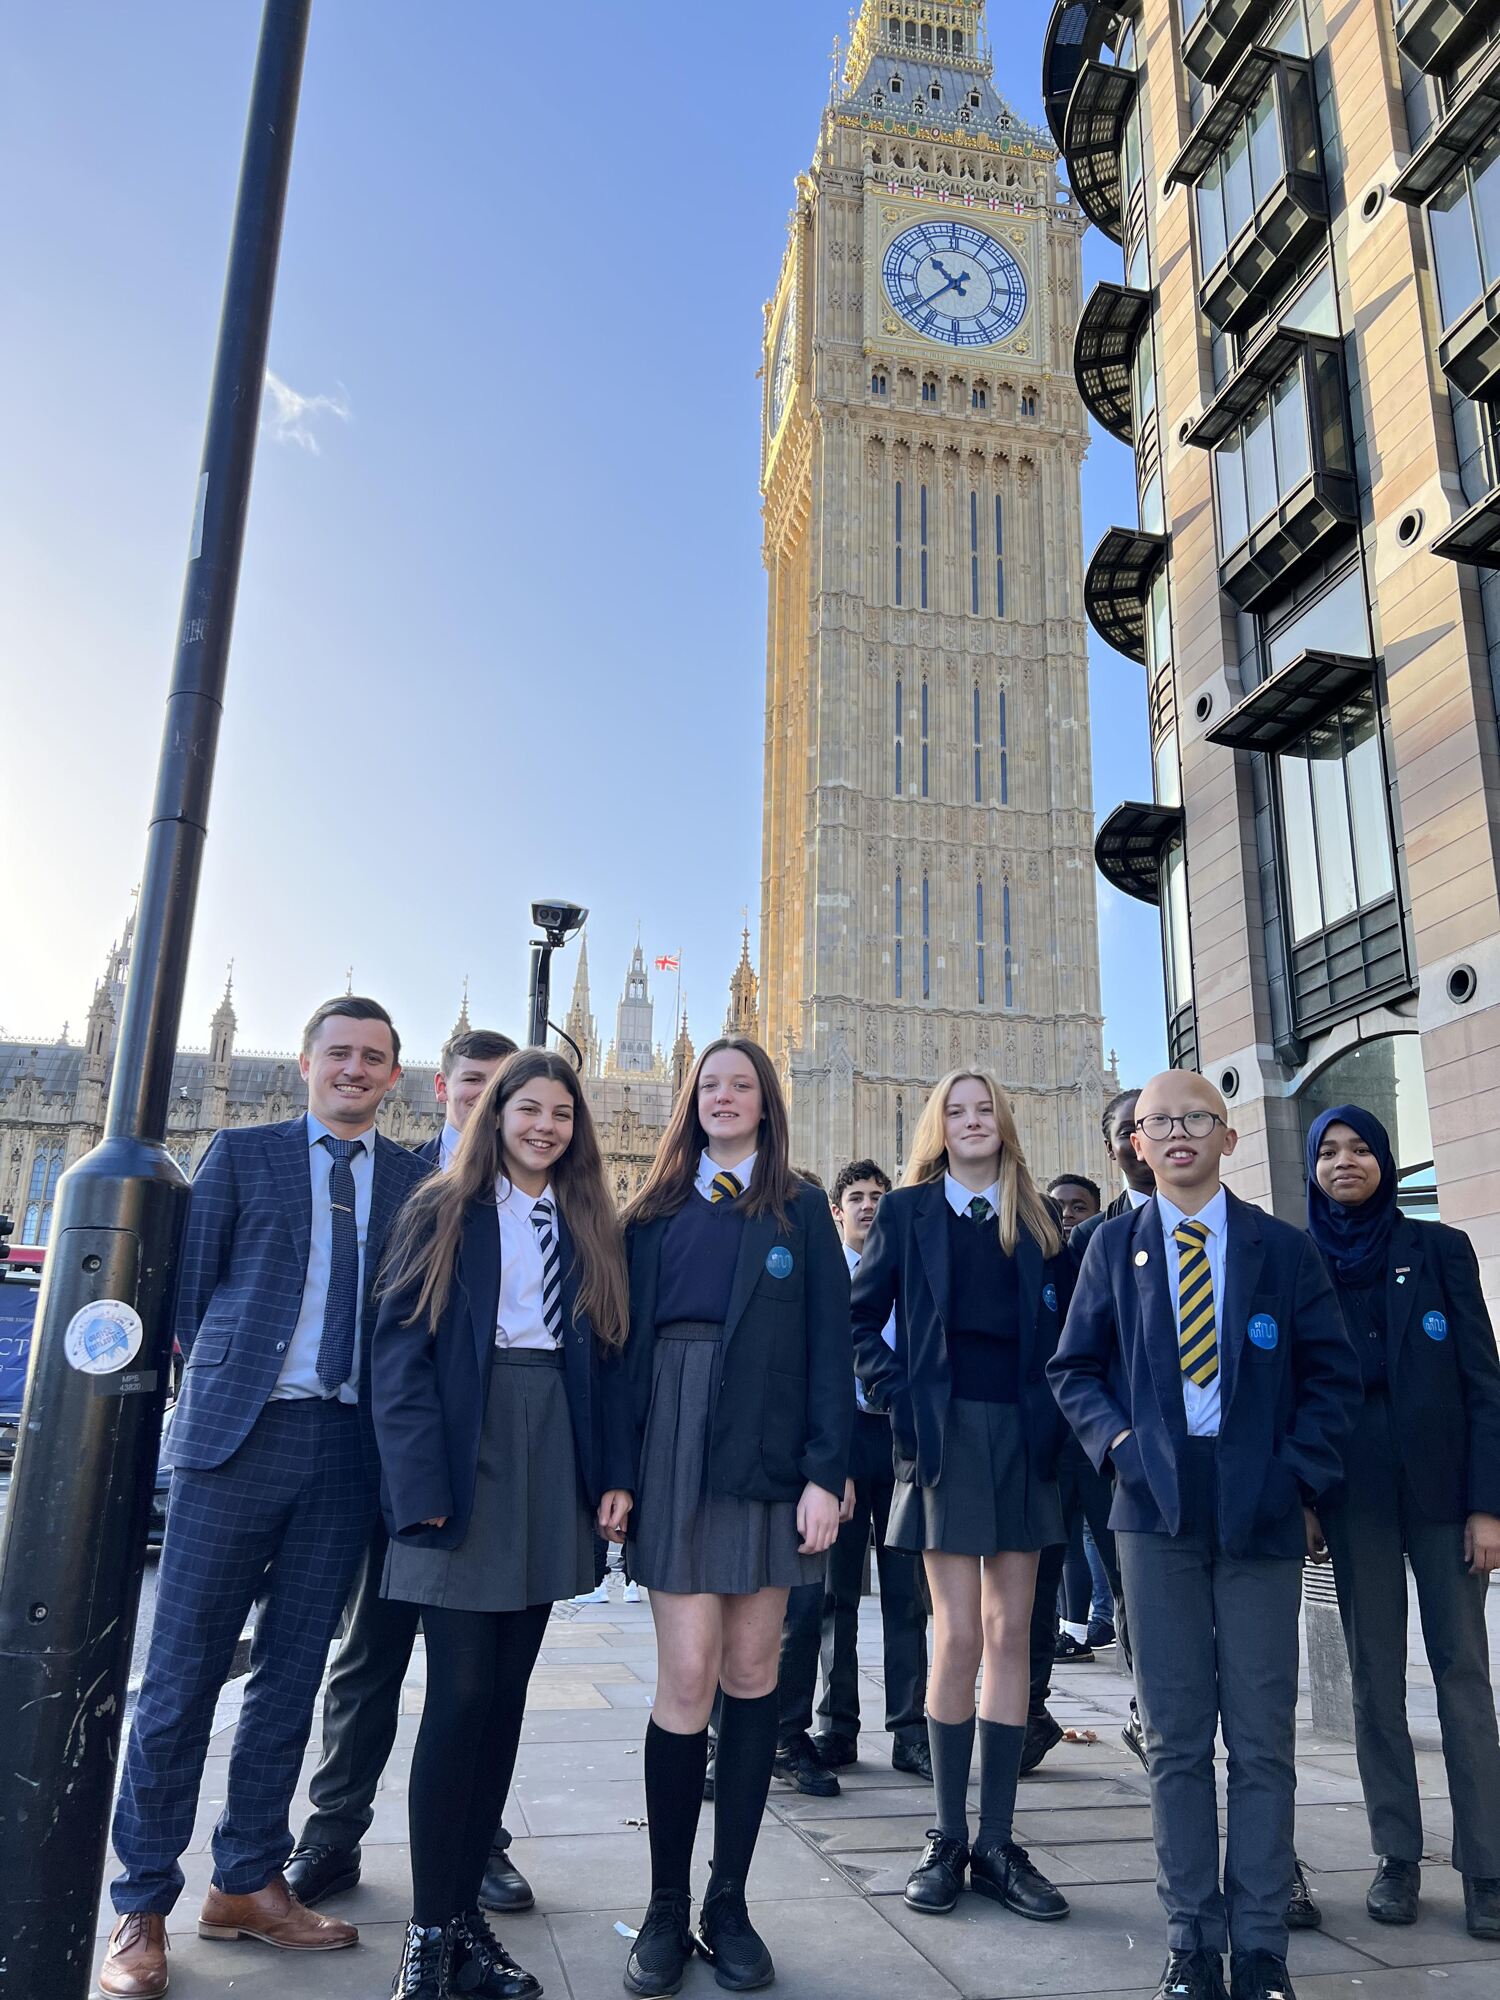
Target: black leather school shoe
(934, 1884)
(1004, 1873)
(1258, 1975)
(1302, 1913)
(313, 1873)
(479, 1966)
(1192, 1975)
(1394, 1894)
(422, 1973)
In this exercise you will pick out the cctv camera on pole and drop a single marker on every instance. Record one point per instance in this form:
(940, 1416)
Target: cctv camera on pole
(557, 921)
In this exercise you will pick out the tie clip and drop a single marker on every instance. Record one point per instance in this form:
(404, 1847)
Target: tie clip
(342, 1206)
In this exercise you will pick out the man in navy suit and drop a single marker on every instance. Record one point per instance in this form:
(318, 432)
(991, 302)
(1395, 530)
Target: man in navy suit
(362, 1702)
(275, 1484)
(1204, 1360)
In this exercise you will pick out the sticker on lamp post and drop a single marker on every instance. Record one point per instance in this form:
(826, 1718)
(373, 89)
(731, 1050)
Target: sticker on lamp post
(104, 1337)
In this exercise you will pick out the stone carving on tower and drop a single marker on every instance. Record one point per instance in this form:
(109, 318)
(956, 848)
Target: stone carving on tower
(581, 1026)
(927, 873)
(743, 1017)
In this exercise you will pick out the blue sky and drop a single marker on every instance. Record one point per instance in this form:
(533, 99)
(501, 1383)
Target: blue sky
(521, 286)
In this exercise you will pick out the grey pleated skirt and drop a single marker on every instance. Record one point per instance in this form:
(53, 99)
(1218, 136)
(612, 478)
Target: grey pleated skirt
(986, 1499)
(682, 1538)
(531, 1537)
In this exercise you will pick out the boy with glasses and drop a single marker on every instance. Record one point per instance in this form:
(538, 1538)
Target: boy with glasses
(1205, 1360)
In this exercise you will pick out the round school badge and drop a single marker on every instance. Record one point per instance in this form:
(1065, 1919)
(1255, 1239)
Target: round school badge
(779, 1261)
(103, 1338)
(1435, 1325)
(1264, 1331)
(1142, 1257)
(1049, 1297)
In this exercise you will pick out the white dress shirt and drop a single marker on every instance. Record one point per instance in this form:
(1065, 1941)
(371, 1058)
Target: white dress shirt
(1201, 1404)
(887, 1332)
(703, 1180)
(1136, 1198)
(520, 1320)
(448, 1140)
(298, 1379)
(959, 1197)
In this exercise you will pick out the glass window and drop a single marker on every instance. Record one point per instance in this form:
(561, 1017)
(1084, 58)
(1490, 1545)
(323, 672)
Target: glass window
(1153, 512)
(1234, 523)
(1192, 12)
(926, 940)
(1004, 755)
(1337, 828)
(1388, 1078)
(1336, 622)
(978, 752)
(999, 560)
(1211, 238)
(1168, 771)
(898, 936)
(1485, 175)
(1158, 623)
(1143, 379)
(1137, 276)
(1289, 422)
(1130, 164)
(979, 932)
(924, 548)
(900, 731)
(1302, 153)
(1314, 309)
(1239, 189)
(974, 554)
(1174, 921)
(899, 551)
(1289, 35)
(1328, 380)
(1010, 962)
(1260, 464)
(1455, 250)
(1264, 133)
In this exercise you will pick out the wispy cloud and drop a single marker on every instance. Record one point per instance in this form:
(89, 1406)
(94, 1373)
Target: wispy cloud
(292, 417)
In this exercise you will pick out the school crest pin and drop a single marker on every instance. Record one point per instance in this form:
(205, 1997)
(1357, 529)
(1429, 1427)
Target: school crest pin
(1049, 1297)
(1264, 1332)
(1142, 1257)
(779, 1261)
(1435, 1325)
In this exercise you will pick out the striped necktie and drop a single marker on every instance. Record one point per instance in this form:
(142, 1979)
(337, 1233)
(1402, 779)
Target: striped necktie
(727, 1186)
(1197, 1332)
(542, 1217)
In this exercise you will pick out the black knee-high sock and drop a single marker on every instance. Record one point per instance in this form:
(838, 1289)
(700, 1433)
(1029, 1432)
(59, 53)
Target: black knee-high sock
(675, 1766)
(952, 1745)
(999, 1769)
(742, 1782)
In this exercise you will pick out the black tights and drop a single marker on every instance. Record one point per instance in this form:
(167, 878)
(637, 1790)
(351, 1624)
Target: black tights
(478, 1665)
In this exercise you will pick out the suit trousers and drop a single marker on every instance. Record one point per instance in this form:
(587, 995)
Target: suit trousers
(362, 1706)
(281, 1521)
(1087, 1494)
(823, 1619)
(1373, 1530)
(1216, 1646)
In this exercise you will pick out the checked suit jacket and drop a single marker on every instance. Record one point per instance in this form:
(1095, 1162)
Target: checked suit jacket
(240, 1286)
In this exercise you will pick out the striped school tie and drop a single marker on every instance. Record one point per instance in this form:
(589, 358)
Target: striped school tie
(727, 1187)
(1197, 1338)
(542, 1215)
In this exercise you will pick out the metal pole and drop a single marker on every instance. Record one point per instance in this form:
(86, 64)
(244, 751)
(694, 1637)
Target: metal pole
(74, 1539)
(541, 993)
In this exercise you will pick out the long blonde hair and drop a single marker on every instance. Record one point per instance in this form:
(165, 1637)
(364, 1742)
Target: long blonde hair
(773, 1185)
(1022, 1206)
(431, 1224)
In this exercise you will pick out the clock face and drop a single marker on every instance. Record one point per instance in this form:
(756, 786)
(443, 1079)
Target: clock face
(783, 364)
(954, 283)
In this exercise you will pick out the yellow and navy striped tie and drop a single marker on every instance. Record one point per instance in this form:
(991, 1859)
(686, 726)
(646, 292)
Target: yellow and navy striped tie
(727, 1186)
(1197, 1336)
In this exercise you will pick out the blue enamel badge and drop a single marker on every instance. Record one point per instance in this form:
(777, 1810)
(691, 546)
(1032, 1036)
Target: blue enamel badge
(1049, 1297)
(1435, 1326)
(779, 1261)
(1264, 1331)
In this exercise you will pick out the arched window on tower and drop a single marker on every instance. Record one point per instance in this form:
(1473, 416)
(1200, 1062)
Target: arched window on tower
(46, 1171)
(900, 735)
(900, 1133)
(979, 932)
(924, 548)
(978, 751)
(898, 934)
(958, 41)
(926, 701)
(974, 551)
(1004, 752)
(999, 558)
(900, 526)
(926, 939)
(1010, 962)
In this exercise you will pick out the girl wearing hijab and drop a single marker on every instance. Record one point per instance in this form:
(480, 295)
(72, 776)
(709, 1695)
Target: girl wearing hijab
(1421, 1485)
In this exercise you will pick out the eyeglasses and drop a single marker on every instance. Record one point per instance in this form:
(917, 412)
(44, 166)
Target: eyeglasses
(1196, 1124)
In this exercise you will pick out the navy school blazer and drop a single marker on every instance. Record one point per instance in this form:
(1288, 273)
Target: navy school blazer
(1289, 1392)
(906, 1266)
(430, 1391)
(239, 1287)
(785, 1408)
(1442, 1371)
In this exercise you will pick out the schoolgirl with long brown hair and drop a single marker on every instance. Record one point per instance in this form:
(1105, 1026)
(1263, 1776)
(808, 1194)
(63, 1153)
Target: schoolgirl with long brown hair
(970, 1256)
(505, 1434)
(742, 1381)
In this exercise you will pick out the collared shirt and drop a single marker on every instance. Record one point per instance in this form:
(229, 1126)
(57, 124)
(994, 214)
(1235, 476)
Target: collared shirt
(1136, 1198)
(299, 1371)
(703, 1180)
(520, 1320)
(448, 1140)
(960, 1197)
(887, 1332)
(1201, 1404)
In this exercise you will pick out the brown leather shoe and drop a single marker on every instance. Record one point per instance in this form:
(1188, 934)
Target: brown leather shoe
(135, 1966)
(274, 1916)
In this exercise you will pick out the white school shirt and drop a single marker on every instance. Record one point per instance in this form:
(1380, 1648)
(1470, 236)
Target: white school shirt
(959, 1196)
(703, 1180)
(887, 1332)
(1135, 1198)
(298, 1379)
(448, 1140)
(1201, 1404)
(520, 1320)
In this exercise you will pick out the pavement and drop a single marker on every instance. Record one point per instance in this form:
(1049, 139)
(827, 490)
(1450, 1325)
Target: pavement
(826, 1885)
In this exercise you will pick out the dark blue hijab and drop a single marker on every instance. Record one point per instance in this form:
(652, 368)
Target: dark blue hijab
(1353, 1239)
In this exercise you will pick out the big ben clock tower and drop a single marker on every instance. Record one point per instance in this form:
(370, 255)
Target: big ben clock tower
(927, 869)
